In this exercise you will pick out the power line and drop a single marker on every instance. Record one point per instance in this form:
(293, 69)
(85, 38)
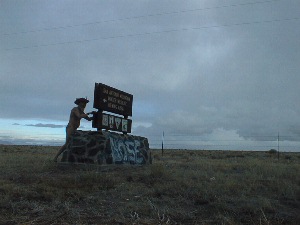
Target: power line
(189, 145)
(189, 140)
(200, 135)
(139, 17)
(155, 32)
(186, 141)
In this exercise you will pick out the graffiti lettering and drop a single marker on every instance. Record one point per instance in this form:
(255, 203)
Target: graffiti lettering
(126, 151)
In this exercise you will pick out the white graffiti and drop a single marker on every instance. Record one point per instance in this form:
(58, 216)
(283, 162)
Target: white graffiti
(126, 151)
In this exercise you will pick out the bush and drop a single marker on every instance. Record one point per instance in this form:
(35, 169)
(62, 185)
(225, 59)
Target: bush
(272, 151)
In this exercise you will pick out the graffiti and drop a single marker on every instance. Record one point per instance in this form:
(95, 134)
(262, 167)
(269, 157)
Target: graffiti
(126, 151)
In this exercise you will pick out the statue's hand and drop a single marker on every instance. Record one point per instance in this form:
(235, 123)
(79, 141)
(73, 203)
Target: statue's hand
(90, 113)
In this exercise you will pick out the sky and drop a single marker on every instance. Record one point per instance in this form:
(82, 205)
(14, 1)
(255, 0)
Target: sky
(209, 74)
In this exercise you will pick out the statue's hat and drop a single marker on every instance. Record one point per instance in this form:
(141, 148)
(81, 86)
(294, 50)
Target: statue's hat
(79, 100)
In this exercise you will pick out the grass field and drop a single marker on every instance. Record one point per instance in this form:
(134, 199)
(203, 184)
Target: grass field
(181, 187)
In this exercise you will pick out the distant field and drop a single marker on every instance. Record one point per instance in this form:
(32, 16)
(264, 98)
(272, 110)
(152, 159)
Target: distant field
(181, 187)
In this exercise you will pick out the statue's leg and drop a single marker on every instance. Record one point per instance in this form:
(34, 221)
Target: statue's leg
(69, 132)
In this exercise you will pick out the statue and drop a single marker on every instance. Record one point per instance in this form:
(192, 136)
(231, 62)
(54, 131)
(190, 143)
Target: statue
(77, 113)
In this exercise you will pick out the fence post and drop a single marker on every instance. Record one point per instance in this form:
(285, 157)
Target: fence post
(278, 146)
(162, 144)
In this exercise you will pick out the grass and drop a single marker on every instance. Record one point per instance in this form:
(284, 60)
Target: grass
(181, 187)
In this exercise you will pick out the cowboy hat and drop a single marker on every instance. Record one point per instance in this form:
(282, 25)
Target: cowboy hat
(79, 100)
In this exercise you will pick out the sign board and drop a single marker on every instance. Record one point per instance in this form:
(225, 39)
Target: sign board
(111, 122)
(112, 100)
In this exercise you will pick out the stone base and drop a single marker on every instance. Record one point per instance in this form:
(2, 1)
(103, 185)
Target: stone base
(104, 147)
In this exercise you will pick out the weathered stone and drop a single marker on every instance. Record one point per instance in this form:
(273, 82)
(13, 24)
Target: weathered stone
(107, 147)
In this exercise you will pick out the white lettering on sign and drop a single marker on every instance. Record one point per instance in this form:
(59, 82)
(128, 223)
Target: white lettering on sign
(111, 99)
(120, 102)
(114, 94)
(124, 97)
(118, 122)
(115, 100)
(105, 91)
(115, 106)
(111, 122)
(105, 120)
(124, 125)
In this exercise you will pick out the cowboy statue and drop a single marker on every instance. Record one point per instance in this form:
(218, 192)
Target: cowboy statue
(77, 113)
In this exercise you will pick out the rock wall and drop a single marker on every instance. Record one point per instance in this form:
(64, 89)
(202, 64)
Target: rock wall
(104, 147)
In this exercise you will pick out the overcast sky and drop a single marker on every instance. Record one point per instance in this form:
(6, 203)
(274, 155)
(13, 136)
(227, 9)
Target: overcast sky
(222, 74)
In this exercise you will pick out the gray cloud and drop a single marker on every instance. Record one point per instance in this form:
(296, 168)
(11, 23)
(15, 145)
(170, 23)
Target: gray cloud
(45, 125)
(239, 78)
(9, 140)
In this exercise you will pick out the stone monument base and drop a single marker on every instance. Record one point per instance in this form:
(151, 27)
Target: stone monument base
(104, 147)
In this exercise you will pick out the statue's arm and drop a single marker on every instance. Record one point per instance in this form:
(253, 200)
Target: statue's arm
(81, 115)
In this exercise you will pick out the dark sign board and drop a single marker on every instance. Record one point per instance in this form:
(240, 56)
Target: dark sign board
(112, 100)
(111, 122)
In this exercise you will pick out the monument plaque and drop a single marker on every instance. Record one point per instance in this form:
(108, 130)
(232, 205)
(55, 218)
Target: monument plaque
(112, 100)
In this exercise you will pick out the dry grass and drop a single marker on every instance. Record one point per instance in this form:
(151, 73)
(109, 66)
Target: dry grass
(182, 187)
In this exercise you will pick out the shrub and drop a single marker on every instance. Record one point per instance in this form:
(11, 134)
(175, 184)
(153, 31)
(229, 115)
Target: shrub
(272, 151)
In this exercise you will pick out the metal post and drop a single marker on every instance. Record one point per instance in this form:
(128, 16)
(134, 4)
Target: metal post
(278, 146)
(162, 144)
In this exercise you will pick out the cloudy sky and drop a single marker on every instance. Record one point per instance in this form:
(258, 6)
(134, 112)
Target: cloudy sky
(210, 74)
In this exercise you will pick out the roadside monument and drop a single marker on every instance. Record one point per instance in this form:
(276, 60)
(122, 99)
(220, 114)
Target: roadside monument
(112, 142)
